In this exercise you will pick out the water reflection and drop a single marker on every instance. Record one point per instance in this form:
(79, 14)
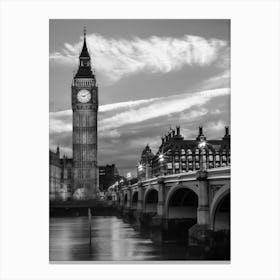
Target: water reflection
(112, 240)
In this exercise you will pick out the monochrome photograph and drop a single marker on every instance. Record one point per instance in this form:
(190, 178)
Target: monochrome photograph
(139, 140)
(138, 128)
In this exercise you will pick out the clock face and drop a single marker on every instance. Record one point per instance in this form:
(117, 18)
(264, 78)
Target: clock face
(84, 96)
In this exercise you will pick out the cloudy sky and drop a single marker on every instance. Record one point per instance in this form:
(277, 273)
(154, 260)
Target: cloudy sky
(152, 74)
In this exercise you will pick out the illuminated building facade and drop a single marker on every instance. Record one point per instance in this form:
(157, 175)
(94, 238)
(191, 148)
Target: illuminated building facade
(177, 155)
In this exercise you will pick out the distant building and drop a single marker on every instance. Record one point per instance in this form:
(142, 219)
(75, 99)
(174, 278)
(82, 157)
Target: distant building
(60, 176)
(67, 176)
(177, 155)
(108, 174)
(54, 174)
(144, 168)
(61, 185)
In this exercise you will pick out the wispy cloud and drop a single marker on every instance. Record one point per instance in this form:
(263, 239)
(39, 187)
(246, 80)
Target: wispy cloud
(117, 58)
(194, 114)
(220, 80)
(126, 113)
(216, 126)
(127, 104)
(161, 107)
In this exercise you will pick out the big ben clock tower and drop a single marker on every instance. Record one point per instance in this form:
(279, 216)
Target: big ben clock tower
(85, 107)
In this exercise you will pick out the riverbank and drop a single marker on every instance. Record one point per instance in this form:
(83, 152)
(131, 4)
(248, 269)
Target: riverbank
(80, 208)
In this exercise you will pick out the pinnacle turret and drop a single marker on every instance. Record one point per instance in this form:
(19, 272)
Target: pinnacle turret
(84, 52)
(84, 70)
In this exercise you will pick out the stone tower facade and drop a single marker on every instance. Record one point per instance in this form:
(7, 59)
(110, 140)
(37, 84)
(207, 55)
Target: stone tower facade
(85, 107)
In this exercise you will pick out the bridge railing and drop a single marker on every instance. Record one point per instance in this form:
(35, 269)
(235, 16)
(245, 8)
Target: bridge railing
(213, 173)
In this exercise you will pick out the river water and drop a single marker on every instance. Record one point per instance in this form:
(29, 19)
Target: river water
(112, 240)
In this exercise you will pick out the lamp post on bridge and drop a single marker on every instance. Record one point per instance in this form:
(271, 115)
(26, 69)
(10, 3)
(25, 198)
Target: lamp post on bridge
(203, 200)
(140, 171)
(128, 177)
(200, 233)
(161, 162)
(202, 162)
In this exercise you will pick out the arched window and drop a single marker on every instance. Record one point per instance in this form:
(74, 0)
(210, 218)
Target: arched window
(210, 156)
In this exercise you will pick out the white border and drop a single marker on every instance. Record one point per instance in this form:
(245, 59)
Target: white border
(255, 138)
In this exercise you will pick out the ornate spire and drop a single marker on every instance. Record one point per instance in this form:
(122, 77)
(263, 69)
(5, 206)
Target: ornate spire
(84, 53)
(84, 70)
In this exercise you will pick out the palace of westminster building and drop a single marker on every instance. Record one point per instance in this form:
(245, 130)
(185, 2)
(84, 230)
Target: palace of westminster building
(177, 155)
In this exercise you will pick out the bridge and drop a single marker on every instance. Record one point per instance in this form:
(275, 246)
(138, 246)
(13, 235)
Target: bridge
(191, 206)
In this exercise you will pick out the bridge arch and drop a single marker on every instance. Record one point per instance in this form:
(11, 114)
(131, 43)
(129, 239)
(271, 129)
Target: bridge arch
(177, 187)
(150, 200)
(220, 209)
(134, 200)
(182, 202)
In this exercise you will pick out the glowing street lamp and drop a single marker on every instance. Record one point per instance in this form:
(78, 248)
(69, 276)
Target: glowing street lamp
(140, 170)
(161, 160)
(202, 145)
(161, 157)
(140, 167)
(128, 177)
